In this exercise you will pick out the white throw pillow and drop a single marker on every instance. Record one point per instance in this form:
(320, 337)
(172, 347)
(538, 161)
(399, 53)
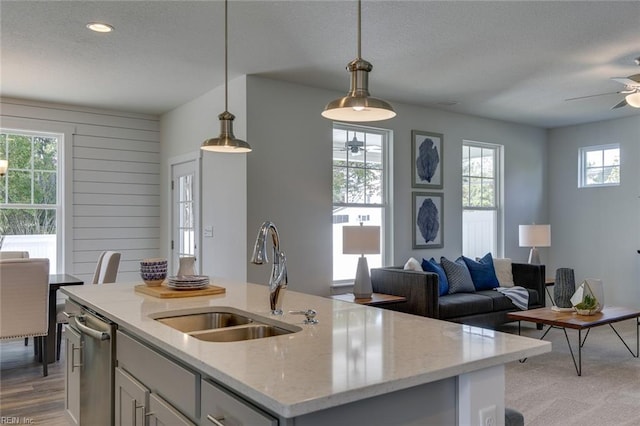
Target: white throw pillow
(413, 265)
(503, 272)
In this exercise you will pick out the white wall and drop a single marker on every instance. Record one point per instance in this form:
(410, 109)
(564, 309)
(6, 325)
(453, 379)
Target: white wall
(113, 170)
(596, 231)
(524, 176)
(289, 177)
(223, 196)
(289, 180)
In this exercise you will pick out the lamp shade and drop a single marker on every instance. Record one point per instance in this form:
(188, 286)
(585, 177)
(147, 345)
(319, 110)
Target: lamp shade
(633, 99)
(226, 142)
(534, 235)
(361, 240)
(359, 105)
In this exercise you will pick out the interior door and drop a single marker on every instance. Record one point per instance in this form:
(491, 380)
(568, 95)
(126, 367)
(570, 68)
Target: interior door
(185, 208)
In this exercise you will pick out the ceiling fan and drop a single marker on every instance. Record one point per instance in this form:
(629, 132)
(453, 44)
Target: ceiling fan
(355, 147)
(631, 90)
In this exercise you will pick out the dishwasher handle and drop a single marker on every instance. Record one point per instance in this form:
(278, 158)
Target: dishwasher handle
(99, 335)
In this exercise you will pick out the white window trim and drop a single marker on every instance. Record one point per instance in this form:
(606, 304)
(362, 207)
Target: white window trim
(582, 166)
(386, 242)
(499, 191)
(64, 220)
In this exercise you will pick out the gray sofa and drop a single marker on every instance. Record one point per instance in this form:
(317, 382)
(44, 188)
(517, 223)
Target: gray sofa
(485, 308)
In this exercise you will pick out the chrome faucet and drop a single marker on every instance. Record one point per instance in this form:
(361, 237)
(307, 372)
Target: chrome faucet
(278, 280)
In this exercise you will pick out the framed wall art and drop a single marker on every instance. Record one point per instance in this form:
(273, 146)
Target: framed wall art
(426, 159)
(428, 229)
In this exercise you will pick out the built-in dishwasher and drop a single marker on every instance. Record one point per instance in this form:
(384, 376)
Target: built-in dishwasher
(90, 361)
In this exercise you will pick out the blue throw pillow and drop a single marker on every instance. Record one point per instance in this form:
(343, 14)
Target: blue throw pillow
(432, 266)
(458, 276)
(482, 272)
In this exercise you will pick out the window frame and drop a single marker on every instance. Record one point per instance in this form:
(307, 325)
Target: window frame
(386, 237)
(64, 203)
(498, 179)
(583, 167)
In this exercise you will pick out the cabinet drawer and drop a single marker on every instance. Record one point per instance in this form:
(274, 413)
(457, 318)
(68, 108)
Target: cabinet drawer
(174, 383)
(229, 410)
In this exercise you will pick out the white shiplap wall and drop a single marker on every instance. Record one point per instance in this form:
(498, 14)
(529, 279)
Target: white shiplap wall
(115, 175)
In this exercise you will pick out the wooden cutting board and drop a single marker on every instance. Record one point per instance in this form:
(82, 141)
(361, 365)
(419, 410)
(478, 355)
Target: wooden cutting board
(165, 292)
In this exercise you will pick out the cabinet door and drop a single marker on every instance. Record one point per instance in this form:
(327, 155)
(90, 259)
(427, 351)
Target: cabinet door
(131, 400)
(220, 407)
(72, 375)
(161, 413)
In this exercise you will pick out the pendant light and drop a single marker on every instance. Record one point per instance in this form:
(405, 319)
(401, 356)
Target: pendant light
(358, 105)
(226, 141)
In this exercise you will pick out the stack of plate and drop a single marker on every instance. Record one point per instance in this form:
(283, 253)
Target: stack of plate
(188, 282)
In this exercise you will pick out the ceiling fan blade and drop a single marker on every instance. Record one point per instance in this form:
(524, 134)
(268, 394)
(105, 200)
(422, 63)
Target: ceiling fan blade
(620, 104)
(591, 96)
(632, 80)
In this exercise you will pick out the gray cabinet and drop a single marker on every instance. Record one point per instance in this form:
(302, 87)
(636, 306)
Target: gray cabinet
(219, 407)
(161, 413)
(131, 400)
(72, 375)
(150, 384)
(134, 404)
(152, 389)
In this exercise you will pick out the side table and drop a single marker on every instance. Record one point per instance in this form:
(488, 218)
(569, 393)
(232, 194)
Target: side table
(375, 299)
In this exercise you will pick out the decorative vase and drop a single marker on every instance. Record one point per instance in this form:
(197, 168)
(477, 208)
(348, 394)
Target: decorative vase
(187, 266)
(564, 287)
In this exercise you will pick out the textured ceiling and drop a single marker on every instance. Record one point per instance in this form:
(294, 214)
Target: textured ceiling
(515, 61)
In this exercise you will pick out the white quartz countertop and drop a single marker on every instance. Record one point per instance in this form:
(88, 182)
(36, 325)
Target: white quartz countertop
(354, 352)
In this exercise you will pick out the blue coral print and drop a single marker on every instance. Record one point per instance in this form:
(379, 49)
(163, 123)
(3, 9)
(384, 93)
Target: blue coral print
(428, 221)
(428, 160)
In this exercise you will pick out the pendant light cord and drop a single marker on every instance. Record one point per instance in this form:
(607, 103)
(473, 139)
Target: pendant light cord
(359, 28)
(226, 48)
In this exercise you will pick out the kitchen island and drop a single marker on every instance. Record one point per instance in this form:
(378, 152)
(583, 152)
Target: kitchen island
(358, 365)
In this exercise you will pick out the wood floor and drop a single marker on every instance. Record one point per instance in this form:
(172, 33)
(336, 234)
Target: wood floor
(26, 397)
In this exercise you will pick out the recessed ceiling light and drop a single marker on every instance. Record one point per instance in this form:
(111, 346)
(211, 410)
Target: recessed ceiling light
(99, 27)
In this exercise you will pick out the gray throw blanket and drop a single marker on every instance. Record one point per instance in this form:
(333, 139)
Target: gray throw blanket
(519, 296)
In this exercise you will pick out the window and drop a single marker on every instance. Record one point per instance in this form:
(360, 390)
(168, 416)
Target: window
(481, 199)
(599, 166)
(360, 191)
(30, 214)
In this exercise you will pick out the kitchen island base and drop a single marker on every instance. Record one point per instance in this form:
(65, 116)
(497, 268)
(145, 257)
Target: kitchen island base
(357, 365)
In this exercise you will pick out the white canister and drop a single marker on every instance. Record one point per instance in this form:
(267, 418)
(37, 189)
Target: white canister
(187, 266)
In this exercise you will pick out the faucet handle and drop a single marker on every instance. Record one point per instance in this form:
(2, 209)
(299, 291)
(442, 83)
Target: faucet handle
(309, 313)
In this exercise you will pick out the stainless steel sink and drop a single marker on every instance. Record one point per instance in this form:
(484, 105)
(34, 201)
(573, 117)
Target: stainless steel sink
(224, 324)
(205, 321)
(245, 332)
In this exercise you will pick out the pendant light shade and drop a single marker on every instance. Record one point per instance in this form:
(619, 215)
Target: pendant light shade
(359, 105)
(226, 141)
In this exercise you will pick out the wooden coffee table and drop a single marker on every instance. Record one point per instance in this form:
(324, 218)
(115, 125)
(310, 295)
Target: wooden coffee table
(564, 320)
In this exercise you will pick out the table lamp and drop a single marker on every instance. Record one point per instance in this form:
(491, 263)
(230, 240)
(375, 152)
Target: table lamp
(534, 236)
(361, 240)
